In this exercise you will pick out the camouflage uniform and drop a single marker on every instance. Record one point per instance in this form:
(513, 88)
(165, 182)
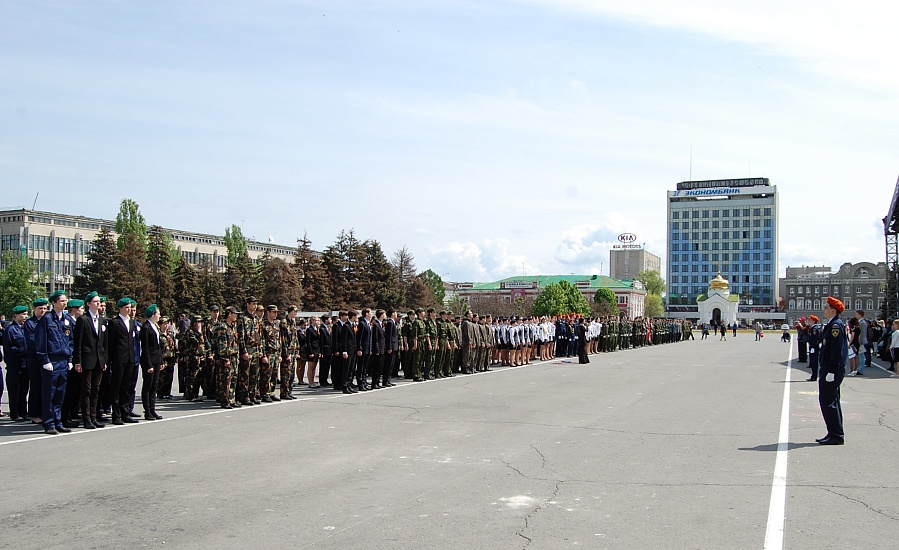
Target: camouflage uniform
(169, 358)
(431, 368)
(209, 374)
(248, 373)
(194, 351)
(271, 349)
(407, 336)
(419, 336)
(225, 348)
(289, 351)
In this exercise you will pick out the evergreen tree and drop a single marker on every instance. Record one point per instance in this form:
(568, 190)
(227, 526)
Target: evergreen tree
(419, 294)
(382, 284)
(316, 289)
(435, 283)
(98, 272)
(159, 261)
(212, 285)
(132, 275)
(282, 285)
(344, 263)
(188, 291)
(129, 221)
(20, 283)
(404, 266)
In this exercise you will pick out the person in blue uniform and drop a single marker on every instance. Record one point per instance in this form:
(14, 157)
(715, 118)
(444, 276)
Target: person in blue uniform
(832, 366)
(53, 347)
(814, 346)
(32, 364)
(14, 351)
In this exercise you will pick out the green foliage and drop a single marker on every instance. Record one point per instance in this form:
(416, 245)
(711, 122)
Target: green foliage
(282, 286)
(404, 270)
(458, 305)
(129, 221)
(188, 292)
(236, 244)
(212, 285)
(160, 262)
(98, 272)
(652, 306)
(560, 298)
(605, 296)
(20, 283)
(316, 289)
(132, 276)
(382, 287)
(435, 284)
(652, 281)
(344, 263)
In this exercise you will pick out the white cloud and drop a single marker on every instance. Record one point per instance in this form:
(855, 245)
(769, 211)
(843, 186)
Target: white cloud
(486, 261)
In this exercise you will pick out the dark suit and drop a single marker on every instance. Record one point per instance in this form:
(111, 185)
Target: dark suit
(363, 344)
(344, 342)
(391, 348)
(90, 353)
(150, 360)
(377, 353)
(120, 357)
(324, 365)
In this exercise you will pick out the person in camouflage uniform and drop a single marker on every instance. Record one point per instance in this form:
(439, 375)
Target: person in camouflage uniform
(289, 346)
(449, 343)
(408, 345)
(420, 336)
(169, 358)
(270, 360)
(195, 351)
(249, 340)
(226, 350)
(431, 369)
(208, 377)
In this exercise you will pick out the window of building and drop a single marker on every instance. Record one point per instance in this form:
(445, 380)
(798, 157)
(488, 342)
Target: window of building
(725, 213)
(756, 256)
(816, 305)
(694, 214)
(858, 304)
(756, 211)
(736, 212)
(870, 289)
(705, 213)
(675, 215)
(715, 235)
(869, 305)
(792, 291)
(695, 268)
(768, 222)
(705, 224)
(725, 224)
(858, 290)
(715, 213)
(745, 223)
(695, 235)
(705, 246)
(725, 245)
(715, 224)
(792, 304)
(766, 256)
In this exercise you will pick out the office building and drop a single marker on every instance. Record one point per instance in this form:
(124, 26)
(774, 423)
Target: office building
(860, 286)
(627, 263)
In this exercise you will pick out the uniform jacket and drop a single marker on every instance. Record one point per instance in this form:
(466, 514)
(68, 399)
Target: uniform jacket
(120, 341)
(313, 342)
(90, 345)
(377, 331)
(344, 339)
(325, 334)
(835, 351)
(14, 348)
(151, 348)
(53, 338)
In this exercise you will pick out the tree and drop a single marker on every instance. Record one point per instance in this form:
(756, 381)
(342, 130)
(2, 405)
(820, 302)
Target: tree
(236, 245)
(435, 283)
(419, 295)
(404, 265)
(313, 277)
(282, 286)
(458, 305)
(98, 272)
(382, 284)
(132, 274)
(159, 261)
(604, 303)
(129, 221)
(652, 306)
(20, 282)
(241, 275)
(187, 288)
(212, 285)
(344, 264)
(652, 281)
(560, 298)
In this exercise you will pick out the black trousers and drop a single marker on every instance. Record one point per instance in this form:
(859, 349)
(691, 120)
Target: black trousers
(17, 387)
(148, 389)
(90, 392)
(121, 388)
(387, 367)
(829, 400)
(324, 368)
(362, 365)
(71, 403)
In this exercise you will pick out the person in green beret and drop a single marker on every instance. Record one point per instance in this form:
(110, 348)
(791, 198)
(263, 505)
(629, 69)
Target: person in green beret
(89, 358)
(151, 344)
(33, 366)
(120, 351)
(71, 403)
(14, 352)
(53, 347)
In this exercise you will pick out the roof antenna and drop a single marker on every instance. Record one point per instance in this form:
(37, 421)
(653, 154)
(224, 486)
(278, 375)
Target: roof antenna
(691, 163)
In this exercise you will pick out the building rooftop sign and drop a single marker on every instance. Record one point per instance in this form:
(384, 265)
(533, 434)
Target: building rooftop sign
(711, 184)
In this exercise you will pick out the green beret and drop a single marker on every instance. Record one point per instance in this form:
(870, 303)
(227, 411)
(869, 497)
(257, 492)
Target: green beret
(90, 296)
(123, 302)
(102, 299)
(75, 303)
(19, 309)
(133, 302)
(40, 302)
(57, 294)
(151, 310)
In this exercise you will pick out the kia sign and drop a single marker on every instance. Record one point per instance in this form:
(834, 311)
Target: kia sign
(627, 238)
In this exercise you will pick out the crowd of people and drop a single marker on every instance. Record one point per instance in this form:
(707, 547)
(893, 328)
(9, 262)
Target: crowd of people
(70, 365)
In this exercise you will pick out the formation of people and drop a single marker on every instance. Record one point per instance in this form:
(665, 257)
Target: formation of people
(69, 364)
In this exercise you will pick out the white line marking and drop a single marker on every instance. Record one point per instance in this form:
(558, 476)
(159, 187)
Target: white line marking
(774, 536)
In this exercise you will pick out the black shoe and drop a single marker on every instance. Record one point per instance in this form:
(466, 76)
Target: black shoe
(276, 398)
(246, 403)
(266, 399)
(156, 416)
(88, 425)
(347, 390)
(236, 405)
(63, 430)
(257, 402)
(832, 440)
(129, 420)
(363, 388)
(353, 390)
(822, 439)
(133, 415)
(97, 424)
(811, 379)
(859, 373)
(51, 431)
(376, 386)
(149, 417)
(71, 424)
(118, 422)
(227, 406)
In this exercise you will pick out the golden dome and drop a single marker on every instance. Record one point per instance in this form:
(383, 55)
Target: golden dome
(719, 283)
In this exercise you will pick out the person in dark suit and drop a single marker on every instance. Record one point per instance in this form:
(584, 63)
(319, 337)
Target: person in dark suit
(89, 357)
(363, 349)
(831, 369)
(344, 343)
(150, 361)
(580, 331)
(313, 352)
(391, 347)
(324, 365)
(377, 349)
(120, 358)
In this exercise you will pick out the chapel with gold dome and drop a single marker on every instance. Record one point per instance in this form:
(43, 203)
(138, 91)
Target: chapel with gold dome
(718, 305)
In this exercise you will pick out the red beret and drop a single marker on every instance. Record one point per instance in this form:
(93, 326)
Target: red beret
(802, 319)
(836, 304)
(813, 318)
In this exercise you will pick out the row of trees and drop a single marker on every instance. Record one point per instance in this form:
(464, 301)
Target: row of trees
(143, 263)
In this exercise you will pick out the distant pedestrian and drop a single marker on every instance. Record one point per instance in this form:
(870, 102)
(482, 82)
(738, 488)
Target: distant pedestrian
(723, 329)
(735, 329)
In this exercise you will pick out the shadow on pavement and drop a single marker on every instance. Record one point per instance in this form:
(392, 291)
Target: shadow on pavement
(773, 446)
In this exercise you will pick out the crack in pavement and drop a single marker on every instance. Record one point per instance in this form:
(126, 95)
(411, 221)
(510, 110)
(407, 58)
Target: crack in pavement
(535, 511)
(880, 421)
(865, 504)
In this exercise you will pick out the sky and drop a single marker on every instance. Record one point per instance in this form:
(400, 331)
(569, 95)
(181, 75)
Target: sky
(489, 138)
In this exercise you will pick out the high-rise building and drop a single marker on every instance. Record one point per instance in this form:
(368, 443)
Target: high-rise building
(727, 226)
(627, 263)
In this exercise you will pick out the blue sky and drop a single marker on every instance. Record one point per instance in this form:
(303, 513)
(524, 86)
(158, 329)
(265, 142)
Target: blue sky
(490, 138)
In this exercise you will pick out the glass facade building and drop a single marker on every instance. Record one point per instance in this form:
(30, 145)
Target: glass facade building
(727, 226)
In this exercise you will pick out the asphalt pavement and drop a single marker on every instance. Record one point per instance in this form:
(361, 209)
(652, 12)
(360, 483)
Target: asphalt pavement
(670, 446)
